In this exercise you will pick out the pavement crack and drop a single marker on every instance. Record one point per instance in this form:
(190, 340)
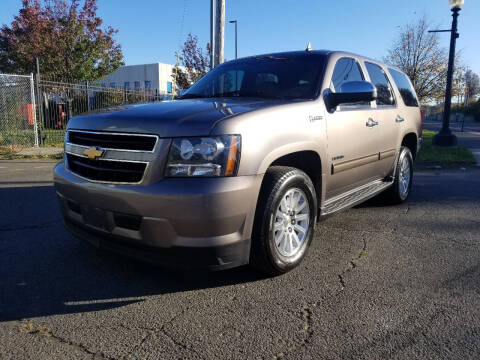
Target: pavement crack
(179, 344)
(306, 331)
(29, 328)
(352, 264)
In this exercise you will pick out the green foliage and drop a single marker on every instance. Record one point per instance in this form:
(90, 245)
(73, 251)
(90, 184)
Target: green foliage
(67, 38)
(108, 98)
(195, 63)
(473, 109)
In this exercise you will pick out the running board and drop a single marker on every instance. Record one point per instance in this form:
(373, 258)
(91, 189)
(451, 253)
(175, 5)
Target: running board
(355, 196)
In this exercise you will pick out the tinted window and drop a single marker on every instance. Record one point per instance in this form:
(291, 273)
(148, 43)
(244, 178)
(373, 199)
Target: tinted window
(272, 76)
(346, 69)
(404, 87)
(380, 80)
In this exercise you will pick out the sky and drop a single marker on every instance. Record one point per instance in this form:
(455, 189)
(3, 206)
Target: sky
(153, 30)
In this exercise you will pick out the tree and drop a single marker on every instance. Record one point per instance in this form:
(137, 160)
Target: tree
(419, 54)
(194, 60)
(68, 39)
(472, 84)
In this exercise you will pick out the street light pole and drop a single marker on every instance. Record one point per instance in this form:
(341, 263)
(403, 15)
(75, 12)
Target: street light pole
(236, 48)
(212, 32)
(445, 136)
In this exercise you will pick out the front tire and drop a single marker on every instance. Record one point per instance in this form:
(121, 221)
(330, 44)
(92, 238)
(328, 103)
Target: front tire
(402, 184)
(285, 220)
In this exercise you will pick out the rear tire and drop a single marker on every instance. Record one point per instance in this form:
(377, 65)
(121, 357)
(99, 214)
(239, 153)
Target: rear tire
(402, 184)
(285, 220)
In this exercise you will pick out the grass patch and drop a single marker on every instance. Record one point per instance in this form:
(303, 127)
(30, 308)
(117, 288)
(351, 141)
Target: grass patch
(445, 156)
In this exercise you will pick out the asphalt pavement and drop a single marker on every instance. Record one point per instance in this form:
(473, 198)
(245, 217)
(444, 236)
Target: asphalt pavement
(379, 282)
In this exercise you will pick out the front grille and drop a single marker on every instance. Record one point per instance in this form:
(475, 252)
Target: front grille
(106, 170)
(122, 157)
(113, 141)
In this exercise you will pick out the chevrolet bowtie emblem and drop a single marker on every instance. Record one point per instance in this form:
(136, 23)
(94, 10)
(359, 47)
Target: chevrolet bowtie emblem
(94, 152)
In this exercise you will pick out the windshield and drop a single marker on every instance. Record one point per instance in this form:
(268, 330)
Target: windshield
(275, 77)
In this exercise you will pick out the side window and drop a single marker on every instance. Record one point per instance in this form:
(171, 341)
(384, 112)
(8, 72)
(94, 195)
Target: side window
(230, 81)
(404, 87)
(380, 80)
(346, 69)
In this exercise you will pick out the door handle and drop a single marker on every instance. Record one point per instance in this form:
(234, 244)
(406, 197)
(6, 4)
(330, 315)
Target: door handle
(371, 123)
(399, 119)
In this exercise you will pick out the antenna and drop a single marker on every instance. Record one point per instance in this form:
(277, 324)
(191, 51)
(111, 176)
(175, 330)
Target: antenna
(309, 47)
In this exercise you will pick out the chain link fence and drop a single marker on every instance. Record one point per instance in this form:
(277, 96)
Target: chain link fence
(36, 113)
(18, 112)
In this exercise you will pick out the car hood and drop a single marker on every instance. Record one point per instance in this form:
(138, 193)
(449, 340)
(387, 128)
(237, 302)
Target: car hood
(189, 117)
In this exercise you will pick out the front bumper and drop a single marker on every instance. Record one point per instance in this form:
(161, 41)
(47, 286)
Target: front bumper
(185, 222)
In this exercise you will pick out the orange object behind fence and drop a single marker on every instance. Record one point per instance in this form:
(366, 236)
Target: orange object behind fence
(27, 111)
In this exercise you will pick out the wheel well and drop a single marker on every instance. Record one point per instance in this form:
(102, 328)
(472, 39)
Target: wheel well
(307, 161)
(410, 141)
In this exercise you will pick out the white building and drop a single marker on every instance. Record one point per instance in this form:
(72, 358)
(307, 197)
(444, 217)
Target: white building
(146, 76)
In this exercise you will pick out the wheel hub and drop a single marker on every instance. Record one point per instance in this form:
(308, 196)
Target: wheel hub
(292, 220)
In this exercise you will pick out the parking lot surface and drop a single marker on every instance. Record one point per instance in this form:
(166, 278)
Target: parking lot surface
(380, 282)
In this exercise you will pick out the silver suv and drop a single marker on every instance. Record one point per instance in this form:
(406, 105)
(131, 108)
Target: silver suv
(240, 169)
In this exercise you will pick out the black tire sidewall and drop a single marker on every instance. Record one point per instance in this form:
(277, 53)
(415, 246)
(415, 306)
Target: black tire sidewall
(301, 181)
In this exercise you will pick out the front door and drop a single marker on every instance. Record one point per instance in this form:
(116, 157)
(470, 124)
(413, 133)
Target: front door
(352, 132)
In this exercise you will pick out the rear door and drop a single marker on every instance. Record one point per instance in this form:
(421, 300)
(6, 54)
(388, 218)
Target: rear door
(352, 135)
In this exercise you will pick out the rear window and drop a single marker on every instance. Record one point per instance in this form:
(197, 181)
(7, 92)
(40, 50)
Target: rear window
(405, 88)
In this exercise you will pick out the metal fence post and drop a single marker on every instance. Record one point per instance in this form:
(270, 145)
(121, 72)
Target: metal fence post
(39, 95)
(88, 96)
(34, 111)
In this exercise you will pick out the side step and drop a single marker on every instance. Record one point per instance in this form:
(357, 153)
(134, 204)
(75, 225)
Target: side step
(355, 196)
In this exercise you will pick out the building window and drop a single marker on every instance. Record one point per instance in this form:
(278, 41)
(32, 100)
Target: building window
(137, 84)
(148, 84)
(104, 85)
(112, 85)
(169, 87)
(126, 84)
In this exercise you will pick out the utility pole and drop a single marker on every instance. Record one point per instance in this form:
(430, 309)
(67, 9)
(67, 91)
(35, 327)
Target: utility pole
(219, 32)
(236, 38)
(212, 31)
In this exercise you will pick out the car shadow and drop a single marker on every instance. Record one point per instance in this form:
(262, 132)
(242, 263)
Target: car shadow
(45, 271)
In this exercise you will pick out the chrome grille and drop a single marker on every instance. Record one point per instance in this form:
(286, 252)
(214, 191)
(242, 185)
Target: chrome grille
(109, 157)
(129, 142)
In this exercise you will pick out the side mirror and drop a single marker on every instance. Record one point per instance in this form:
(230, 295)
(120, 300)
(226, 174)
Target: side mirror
(350, 92)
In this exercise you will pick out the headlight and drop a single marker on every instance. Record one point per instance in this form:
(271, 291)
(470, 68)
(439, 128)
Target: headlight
(206, 156)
